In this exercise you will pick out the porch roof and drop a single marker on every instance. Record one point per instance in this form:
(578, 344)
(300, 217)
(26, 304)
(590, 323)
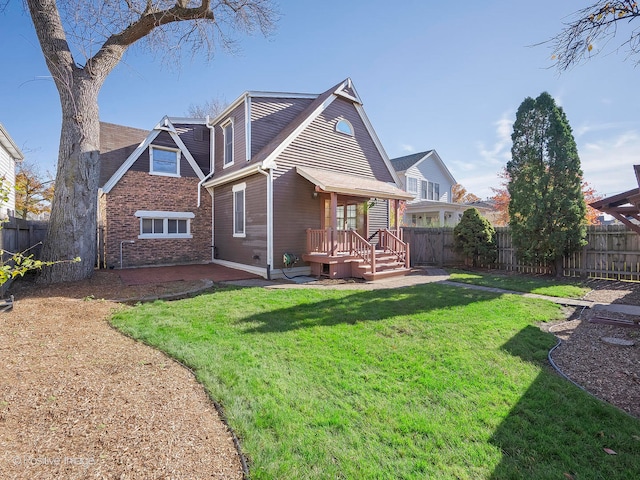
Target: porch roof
(346, 184)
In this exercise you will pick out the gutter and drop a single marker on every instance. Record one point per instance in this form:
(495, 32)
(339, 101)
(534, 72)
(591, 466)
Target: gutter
(266, 169)
(211, 157)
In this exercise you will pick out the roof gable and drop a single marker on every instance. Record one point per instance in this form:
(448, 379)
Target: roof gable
(402, 164)
(164, 125)
(344, 89)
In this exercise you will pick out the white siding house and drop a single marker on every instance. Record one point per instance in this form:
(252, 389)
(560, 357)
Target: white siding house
(425, 175)
(9, 155)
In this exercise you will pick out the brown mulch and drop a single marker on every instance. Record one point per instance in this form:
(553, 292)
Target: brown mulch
(610, 372)
(80, 400)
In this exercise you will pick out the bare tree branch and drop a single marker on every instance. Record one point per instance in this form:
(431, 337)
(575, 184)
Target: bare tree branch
(591, 29)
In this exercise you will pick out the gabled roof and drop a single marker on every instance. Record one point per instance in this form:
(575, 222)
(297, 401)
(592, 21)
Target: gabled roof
(166, 125)
(268, 154)
(9, 145)
(402, 164)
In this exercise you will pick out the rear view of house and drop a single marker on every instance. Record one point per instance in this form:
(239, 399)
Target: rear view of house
(289, 183)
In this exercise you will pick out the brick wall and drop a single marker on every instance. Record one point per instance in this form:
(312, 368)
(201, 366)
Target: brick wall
(142, 191)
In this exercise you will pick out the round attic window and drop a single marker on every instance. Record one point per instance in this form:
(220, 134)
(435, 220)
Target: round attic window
(343, 126)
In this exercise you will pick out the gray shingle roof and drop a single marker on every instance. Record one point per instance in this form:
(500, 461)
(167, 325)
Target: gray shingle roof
(400, 164)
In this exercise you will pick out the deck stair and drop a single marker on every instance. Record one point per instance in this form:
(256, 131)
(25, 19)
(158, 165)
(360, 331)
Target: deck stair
(387, 265)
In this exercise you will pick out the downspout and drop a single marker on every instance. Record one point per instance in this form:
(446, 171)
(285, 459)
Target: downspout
(211, 159)
(267, 171)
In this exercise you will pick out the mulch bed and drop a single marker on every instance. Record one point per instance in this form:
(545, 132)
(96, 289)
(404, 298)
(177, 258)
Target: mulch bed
(80, 400)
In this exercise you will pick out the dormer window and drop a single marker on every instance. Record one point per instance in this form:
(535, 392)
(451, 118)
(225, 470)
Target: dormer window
(343, 126)
(164, 161)
(227, 129)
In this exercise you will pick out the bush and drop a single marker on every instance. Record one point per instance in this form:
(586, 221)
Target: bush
(475, 237)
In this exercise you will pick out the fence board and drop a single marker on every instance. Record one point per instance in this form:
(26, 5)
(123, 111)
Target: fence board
(612, 252)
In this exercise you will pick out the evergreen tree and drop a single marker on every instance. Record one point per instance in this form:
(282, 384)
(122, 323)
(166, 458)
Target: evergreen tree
(475, 237)
(547, 209)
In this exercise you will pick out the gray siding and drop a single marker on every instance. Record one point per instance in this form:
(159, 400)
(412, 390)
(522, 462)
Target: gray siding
(196, 139)
(242, 250)
(320, 146)
(239, 155)
(270, 115)
(379, 216)
(295, 210)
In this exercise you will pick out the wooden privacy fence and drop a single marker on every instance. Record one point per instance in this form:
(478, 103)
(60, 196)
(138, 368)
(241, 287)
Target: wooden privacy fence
(612, 252)
(18, 235)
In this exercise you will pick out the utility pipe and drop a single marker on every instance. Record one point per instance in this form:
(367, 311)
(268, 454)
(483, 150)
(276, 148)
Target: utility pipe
(124, 241)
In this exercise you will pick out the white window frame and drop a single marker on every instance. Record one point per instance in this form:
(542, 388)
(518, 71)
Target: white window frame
(240, 187)
(347, 124)
(434, 191)
(165, 217)
(228, 123)
(424, 190)
(415, 187)
(166, 149)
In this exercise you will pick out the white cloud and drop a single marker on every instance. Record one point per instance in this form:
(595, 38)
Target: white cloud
(500, 151)
(407, 148)
(607, 163)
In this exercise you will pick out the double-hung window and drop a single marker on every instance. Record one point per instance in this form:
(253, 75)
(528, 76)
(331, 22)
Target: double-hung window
(157, 224)
(239, 209)
(164, 161)
(227, 130)
(424, 190)
(412, 185)
(434, 191)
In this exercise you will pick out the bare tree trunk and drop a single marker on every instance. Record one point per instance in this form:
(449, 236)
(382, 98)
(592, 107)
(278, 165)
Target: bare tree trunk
(72, 226)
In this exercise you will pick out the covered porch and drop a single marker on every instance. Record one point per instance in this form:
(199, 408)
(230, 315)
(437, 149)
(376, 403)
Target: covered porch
(353, 241)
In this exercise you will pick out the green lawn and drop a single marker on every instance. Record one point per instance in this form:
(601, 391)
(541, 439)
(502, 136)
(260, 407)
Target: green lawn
(522, 283)
(423, 382)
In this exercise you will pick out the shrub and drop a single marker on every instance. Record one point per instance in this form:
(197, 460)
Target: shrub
(475, 237)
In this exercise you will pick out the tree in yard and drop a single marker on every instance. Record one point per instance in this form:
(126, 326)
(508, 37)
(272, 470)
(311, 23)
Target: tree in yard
(475, 237)
(590, 196)
(546, 207)
(82, 42)
(592, 27)
(501, 200)
(459, 194)
(33, 193)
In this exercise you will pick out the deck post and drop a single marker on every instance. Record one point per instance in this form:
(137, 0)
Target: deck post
(407, 259)
(373, 259)
(334, 222)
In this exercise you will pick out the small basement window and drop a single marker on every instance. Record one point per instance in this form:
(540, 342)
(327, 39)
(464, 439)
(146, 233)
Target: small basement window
(156, 224)
(343, 126)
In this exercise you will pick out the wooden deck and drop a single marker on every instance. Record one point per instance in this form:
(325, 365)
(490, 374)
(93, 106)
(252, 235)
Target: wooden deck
(345, 254)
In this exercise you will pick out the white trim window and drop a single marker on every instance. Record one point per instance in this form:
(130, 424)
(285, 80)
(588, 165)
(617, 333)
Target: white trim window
(424, 190)
(345, 127)
(412, 185)
(164, 161)
(239, 210)
(228, 143)
(434, 191)
(157, 224)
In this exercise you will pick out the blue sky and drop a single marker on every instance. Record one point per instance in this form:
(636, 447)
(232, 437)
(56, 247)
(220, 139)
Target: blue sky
(432, 75)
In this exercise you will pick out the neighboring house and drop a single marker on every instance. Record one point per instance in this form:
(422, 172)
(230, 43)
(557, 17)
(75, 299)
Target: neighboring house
(425, 176)
(277, 184)
(9, 155)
